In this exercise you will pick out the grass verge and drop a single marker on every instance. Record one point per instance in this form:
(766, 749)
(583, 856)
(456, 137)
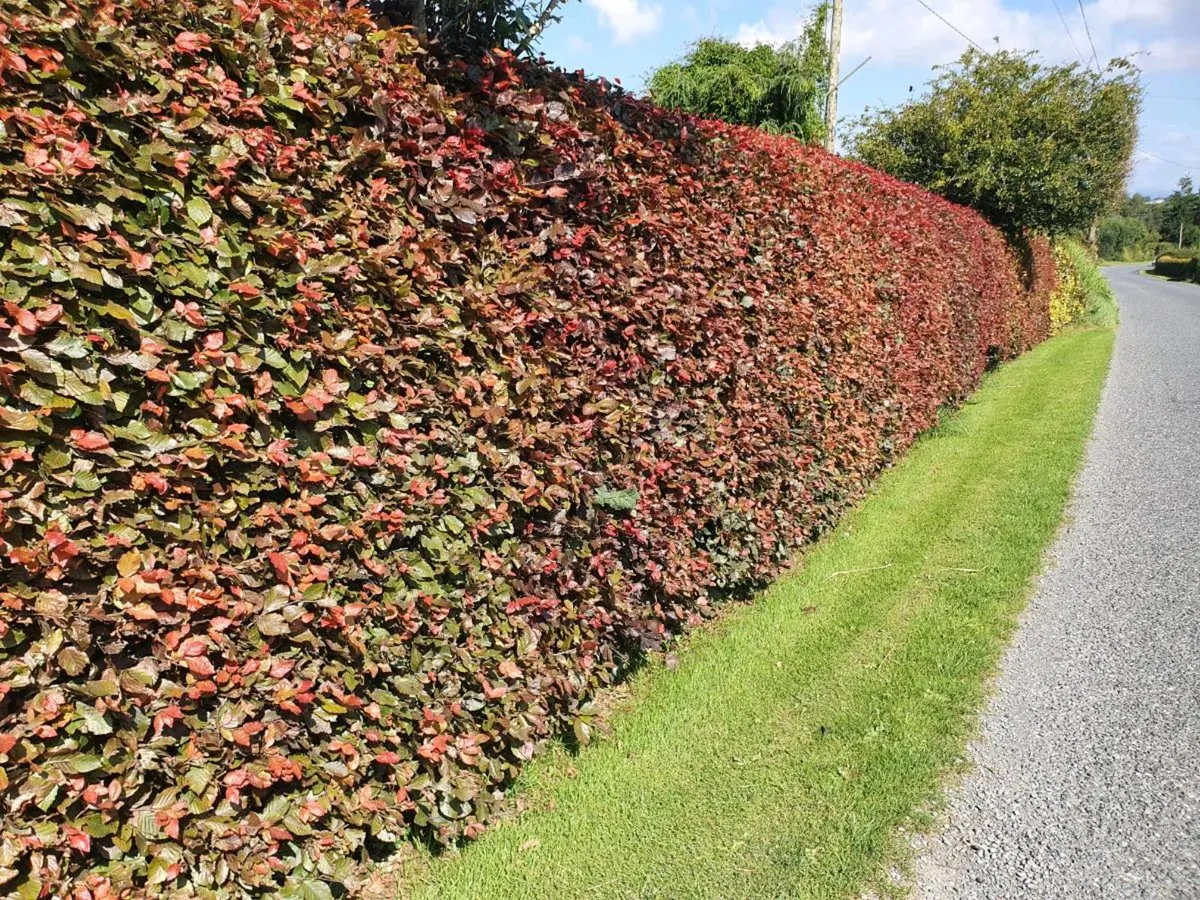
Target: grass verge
(793, 740)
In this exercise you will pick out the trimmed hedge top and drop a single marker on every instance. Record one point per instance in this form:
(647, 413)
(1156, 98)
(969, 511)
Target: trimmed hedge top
(360, 415)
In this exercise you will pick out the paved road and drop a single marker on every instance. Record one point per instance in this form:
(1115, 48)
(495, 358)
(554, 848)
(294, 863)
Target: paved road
(1088, 765)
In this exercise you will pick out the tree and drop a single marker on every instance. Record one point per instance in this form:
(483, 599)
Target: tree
(781, 90)
(1182, 208)
(1028, 144)
(1140, 207)
(1125, 238)
(472, 27)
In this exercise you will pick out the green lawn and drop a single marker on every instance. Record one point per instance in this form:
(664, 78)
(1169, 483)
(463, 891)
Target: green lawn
(782, 754)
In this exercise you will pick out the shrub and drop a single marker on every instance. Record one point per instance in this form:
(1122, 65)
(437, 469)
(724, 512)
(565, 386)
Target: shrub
(1180, 264)
(363, 414)
(777, 89)
(1068, 302)
(1169, 248)
(1084, 295)
(1029, 144)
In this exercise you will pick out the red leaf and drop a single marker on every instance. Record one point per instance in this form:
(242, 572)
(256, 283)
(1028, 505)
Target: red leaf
(79, 840)
(190, 42)
(167, 718)
(282, 567)
(510, 669)
(143, 612)
(245, 289)
(38, 159)
(141, 262)
(191, 312)
(50, 314)
(27, 322)
(200, 665)
(89, 440)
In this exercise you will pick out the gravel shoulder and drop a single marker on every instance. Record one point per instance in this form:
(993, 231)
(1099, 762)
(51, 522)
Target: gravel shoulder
(1086, 778)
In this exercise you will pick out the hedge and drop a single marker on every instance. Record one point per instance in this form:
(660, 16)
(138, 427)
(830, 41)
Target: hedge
(1179, 264)
(1069, 302)
(364, 413)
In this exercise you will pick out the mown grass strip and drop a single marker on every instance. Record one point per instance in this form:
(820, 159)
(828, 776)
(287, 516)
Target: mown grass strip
(781, 755)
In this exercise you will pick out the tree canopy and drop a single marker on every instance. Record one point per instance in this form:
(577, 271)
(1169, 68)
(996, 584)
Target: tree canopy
(1182, 208)
(1141, 225)
(781, 90)
(472, 27)
(1028, 144)
(1124, 237)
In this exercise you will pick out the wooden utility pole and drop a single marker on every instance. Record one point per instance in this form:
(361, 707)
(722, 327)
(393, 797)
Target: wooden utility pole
(831, 96)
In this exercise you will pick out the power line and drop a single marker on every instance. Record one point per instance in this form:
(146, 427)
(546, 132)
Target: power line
(846, 78)
(1067, 28)
(952, 25)
(1169, 162)
(1089, 35)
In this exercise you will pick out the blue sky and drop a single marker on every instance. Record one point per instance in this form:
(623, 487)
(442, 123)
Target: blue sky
(625, 39)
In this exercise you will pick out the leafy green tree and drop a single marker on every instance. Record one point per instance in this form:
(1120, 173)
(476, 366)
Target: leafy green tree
(1142, 208)
(472, 27)
(1125, 238)
(1028, 144)
(781, 90)
(1182, 208)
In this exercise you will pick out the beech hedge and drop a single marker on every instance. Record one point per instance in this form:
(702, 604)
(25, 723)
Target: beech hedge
(362, 414)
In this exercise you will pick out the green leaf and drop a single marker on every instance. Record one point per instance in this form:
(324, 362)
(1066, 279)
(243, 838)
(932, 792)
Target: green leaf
(616, 500)
(72, 346)
(199, 211)
(189, 381)
(305, 889)
(87, 481)
(76, 763)
(93, 721)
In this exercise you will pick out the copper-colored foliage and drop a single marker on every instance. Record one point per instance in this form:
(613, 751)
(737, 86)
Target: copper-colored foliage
(361, 414)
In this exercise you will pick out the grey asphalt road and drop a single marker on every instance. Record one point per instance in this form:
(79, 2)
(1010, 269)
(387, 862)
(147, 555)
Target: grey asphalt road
(1087, 769)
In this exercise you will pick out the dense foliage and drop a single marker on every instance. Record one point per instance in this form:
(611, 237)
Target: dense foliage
(469, 28)
(1142, 227)
(1124, 238)
(1179, 215)
(781, 90)
(361, 415)
(1029, 145)
(1069, 302)
(1181, 264)
(1099, 303)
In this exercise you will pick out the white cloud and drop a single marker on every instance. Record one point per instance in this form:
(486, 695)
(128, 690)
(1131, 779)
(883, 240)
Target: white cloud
(760, 33)
(902, 32)
(628, 19)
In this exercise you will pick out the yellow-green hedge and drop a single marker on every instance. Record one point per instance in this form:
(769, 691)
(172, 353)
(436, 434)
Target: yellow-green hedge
(1069, 302)
(1177, 265)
